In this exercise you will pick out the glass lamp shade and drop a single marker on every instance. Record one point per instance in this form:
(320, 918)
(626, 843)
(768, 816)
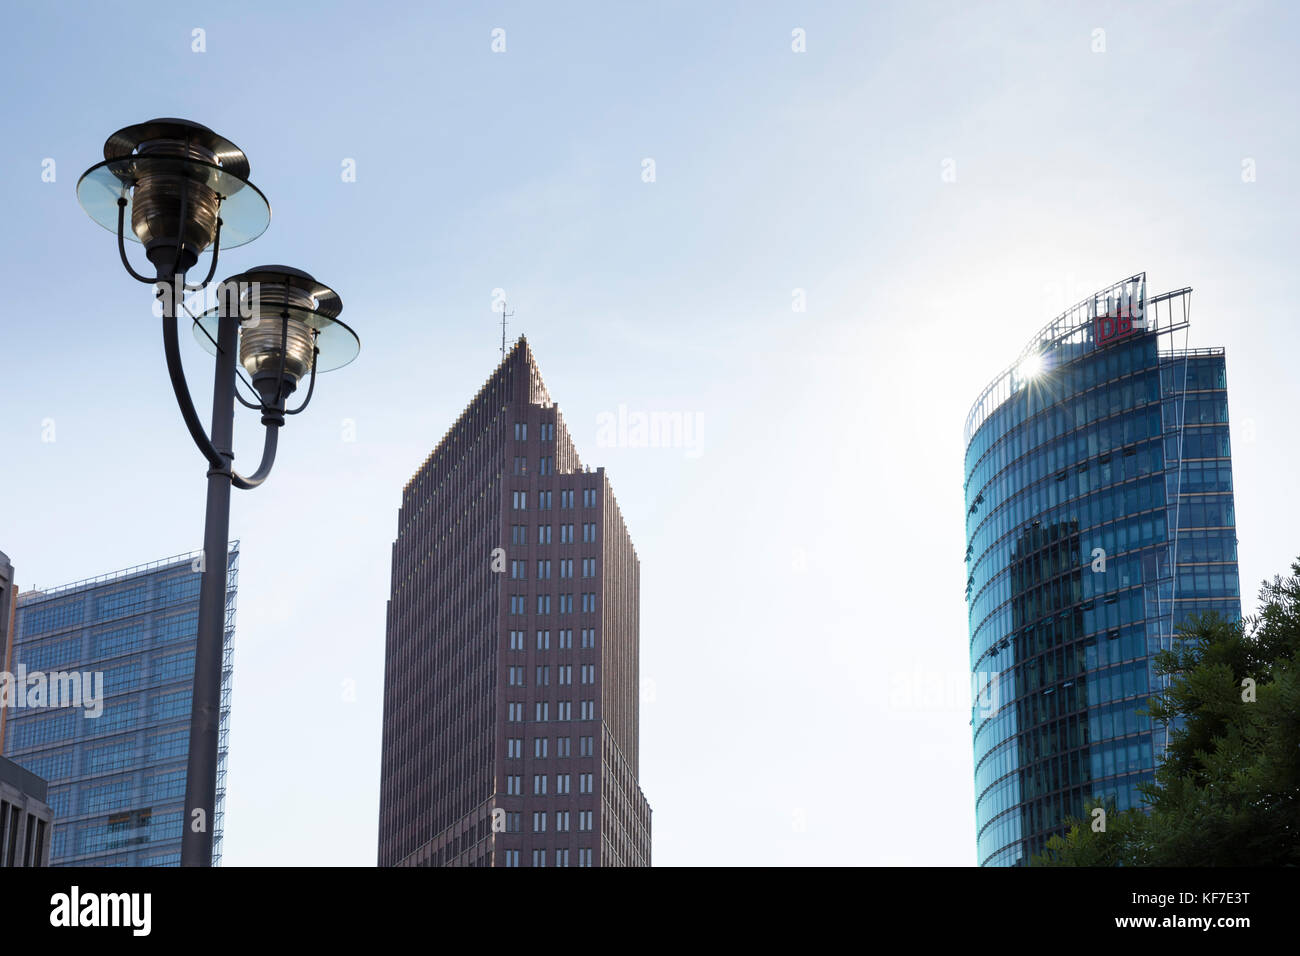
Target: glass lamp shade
(152, 187)
(260, 340)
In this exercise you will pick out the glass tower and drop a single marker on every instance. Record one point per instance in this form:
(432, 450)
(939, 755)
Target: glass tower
(1099, 517)
(117, 780)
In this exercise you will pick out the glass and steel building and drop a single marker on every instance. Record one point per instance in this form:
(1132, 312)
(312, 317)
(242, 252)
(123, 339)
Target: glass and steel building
(115, 760)
(1099, 517)
(511, 684)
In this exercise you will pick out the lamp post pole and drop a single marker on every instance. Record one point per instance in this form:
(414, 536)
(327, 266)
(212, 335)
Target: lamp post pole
(205, 719)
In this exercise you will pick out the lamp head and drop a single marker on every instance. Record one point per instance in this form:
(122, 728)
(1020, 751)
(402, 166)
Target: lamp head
(288, 322)
(179, 180)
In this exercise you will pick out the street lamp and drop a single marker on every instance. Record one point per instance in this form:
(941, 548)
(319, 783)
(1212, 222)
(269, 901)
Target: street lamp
(184, 190)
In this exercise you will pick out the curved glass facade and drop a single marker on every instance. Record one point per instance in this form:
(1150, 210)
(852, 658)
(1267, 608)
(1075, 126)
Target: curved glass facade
(1099, 515)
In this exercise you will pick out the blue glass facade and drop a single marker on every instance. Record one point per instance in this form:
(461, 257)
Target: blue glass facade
(1099, 516)
(117, 781)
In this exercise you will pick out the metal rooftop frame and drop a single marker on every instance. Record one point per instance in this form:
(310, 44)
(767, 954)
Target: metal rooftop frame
(37, 594)
(1074, 327)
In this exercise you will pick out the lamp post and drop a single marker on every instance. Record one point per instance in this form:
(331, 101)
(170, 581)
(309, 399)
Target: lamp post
(185, 189)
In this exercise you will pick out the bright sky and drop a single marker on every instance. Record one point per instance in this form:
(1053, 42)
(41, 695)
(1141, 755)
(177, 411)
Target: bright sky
(938, 179)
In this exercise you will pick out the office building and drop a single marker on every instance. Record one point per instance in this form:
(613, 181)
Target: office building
(511, 688)
(1099, 517)
(25, 817)
(112, 732)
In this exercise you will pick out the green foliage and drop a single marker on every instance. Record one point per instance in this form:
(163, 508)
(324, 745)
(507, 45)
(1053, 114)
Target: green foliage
(1228, 790)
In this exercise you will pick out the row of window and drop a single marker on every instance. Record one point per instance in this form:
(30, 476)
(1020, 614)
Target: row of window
(541, 747)
(547, 431)
(519, 603)
(544, 639)
(519, 567)
(545, 499)
(563, 784)
(545, 466)
(542, 711)
(545, 532)
(542, 678)
(561, 857)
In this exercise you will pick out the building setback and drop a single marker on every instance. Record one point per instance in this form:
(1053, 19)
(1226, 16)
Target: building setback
(1099, 518)
(511, 687)
(117, 780)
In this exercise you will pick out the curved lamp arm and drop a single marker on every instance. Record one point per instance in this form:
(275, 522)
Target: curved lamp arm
(268, 459)
(311, 386)
(121, 243)
(212, 269)
(171, 346)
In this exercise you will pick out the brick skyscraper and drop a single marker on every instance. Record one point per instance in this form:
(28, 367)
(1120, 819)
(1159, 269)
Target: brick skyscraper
(511, 677)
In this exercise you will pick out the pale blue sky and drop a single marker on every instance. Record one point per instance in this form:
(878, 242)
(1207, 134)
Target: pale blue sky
(801, 578)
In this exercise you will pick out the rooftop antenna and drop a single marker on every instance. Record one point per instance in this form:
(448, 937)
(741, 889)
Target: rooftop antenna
(504, 316)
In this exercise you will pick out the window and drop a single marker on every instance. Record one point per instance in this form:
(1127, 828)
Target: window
(584, 857)
(513, 785)
(544, 570)
(539, 747)
(544, 498)
(521, 431)
(588, 637)
(588, 603)
(539, 784)
(563, 782)
(561, 821)
(513, 822)
(519, 534)
(566, 603)
(584, 783)
(516, 604)
(546, 465)
(589, 497)
(584, 819)
(543, 640)
(589, 531)
(566, 568)
(589, 673)
(539, 821)
(512, 857)
(518, 570)
(548, 431)
(516, 640)
(584, 746)
(566, 499)
(566, 534)
(543, 604)
(515, 711)
(519, 500)
(516, 676)
(566, 639)
(566, 710)
(588, 710)
(543, 534)
(565, 674)
(539, 858)
(543, 675)
(514, 748)
(562, 746)
(542, 711)
(588, 567)
(521, 465)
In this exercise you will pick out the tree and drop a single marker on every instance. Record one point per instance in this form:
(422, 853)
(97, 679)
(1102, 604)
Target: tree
(1228, 790)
